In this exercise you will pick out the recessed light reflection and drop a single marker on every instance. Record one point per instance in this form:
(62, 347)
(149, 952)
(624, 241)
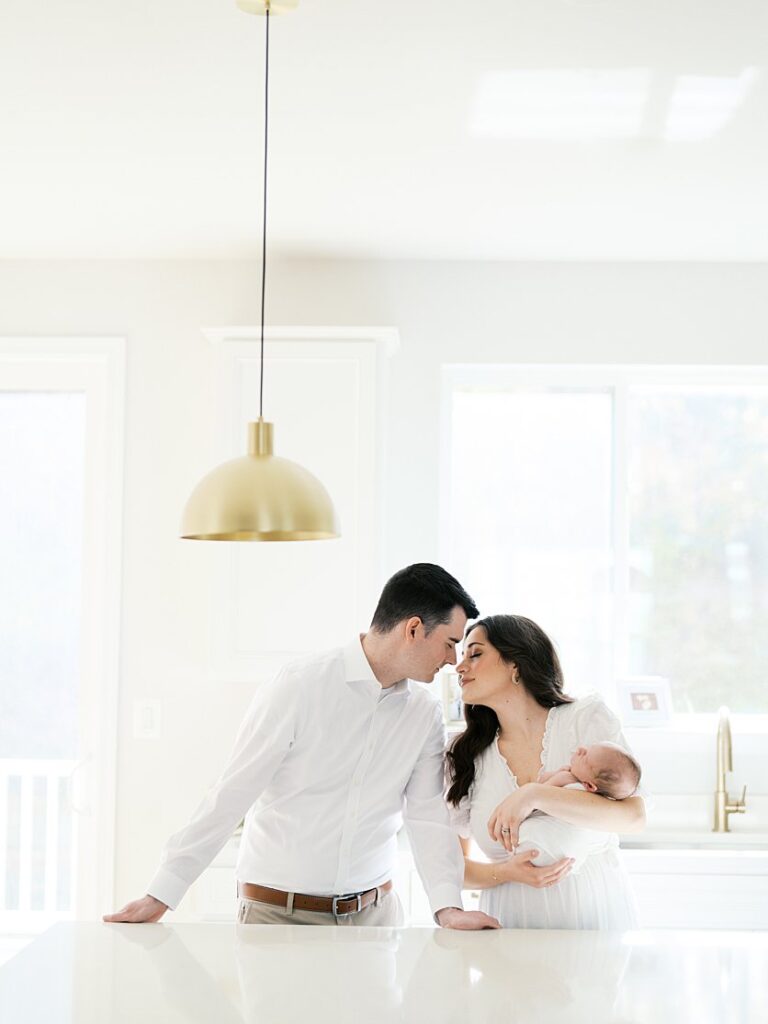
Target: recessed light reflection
(561, 105)
(701, 106)
(609, 104)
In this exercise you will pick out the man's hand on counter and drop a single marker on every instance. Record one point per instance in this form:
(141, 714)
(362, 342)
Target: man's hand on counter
(143, 911)
(465, 920)
(148, 910)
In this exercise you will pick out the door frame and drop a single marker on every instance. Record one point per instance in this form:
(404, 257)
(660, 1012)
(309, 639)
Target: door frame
(96, 367)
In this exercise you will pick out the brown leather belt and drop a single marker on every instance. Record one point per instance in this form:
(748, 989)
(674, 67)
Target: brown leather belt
(339, 906)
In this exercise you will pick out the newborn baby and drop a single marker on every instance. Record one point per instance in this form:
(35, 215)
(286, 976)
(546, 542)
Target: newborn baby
(603, 768)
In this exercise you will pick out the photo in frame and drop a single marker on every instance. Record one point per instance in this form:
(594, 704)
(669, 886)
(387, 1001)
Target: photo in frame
(450, 693)
(644, 700)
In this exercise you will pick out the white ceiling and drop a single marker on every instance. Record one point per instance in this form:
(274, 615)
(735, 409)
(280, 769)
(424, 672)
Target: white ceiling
(505, 129)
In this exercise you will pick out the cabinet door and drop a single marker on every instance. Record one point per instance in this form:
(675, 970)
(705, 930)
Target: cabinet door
(321, 396)
(699, 888)
(702, 901)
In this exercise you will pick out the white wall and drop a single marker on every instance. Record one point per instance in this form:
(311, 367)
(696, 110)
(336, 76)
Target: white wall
(445, 312)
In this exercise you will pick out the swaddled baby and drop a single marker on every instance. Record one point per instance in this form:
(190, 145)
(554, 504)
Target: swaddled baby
(603, 768)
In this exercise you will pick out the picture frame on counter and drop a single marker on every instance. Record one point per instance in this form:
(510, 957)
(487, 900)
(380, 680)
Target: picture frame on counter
(644, 700)
(453, 706)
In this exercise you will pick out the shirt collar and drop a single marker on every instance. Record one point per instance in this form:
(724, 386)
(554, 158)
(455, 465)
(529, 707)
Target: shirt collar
(357, 669)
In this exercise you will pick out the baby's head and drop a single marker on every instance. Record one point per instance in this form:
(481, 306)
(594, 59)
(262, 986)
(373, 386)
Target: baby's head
(607, 769)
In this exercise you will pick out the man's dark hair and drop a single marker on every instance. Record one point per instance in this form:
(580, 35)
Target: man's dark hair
(421, 589)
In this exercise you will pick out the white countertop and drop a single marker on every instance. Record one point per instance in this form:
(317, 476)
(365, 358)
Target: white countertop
(695, 839)
(228, 974)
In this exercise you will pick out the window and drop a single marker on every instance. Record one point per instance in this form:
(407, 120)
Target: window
(623, 509)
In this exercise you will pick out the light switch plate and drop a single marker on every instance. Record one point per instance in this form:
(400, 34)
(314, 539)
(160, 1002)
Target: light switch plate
(147, 719)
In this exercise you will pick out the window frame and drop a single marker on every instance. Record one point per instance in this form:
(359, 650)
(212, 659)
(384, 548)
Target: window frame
(615, 379)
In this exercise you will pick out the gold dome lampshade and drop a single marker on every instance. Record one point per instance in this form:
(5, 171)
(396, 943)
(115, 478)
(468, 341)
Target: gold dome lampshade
(259, 497)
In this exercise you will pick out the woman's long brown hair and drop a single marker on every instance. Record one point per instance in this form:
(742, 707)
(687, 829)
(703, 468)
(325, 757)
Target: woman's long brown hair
(521, 642)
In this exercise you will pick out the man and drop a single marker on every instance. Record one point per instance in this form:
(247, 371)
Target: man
(331, 756)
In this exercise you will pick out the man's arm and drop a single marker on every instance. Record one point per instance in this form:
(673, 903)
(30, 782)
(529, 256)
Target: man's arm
(436, 850)
(263, 741)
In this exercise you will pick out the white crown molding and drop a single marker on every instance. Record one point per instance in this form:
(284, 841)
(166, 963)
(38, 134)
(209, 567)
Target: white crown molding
(386, 337)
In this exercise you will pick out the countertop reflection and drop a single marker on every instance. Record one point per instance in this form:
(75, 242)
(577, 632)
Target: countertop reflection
(80, 973)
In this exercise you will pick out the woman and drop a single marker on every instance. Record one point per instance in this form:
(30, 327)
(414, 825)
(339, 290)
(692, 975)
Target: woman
(520, 723)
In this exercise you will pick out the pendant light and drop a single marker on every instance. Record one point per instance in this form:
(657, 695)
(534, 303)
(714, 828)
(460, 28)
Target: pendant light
(260, 496)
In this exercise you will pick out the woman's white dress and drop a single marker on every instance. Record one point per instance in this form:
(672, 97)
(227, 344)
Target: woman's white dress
(598, 894)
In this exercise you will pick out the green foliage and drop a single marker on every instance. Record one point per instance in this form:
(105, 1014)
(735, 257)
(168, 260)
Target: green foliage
(698, 495)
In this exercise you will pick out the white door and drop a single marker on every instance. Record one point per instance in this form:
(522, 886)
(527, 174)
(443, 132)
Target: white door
(61, 411)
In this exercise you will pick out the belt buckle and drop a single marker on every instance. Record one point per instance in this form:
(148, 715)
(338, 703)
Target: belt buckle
(347, 913)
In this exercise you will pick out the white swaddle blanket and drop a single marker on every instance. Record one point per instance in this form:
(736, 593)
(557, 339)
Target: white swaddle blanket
(555, 839)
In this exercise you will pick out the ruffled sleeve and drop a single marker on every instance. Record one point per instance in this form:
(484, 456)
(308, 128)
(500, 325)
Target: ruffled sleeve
(592, 721)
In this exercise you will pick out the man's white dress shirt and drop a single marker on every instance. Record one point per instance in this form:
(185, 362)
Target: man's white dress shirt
(326, 765)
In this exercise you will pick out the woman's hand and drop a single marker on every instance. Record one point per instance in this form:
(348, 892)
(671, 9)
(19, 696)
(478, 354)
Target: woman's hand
(520, 869)
(505, 821)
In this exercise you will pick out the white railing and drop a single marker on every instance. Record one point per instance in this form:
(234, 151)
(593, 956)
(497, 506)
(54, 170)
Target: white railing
(37, 843)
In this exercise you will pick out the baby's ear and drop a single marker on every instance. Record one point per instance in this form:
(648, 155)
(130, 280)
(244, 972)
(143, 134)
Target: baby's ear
(590, 787)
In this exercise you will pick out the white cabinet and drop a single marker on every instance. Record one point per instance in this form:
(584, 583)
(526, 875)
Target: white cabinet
(686, 888)
(677, 888)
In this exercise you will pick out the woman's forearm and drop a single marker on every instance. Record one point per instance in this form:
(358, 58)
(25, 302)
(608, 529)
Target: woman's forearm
(479, 875)
(516, 868)
(589, 810)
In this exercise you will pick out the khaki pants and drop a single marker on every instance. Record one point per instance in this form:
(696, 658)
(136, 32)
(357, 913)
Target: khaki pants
(388, 913)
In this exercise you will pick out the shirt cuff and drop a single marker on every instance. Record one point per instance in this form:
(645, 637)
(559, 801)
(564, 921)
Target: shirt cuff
(443, 896)
(167, 888)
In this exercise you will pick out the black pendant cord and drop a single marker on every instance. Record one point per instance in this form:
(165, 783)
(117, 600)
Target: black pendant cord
(264, 218)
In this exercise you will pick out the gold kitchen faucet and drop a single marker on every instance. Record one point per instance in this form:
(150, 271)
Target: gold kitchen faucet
(723, 805)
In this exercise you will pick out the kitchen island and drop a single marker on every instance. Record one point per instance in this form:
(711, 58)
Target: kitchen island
(83, 973)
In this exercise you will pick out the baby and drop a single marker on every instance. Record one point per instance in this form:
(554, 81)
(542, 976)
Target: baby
(603, 768)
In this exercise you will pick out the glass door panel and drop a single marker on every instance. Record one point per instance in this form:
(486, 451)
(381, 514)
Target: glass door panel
(42, 467)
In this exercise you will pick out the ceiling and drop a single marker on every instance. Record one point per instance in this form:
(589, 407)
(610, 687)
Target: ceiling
(505, 129)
